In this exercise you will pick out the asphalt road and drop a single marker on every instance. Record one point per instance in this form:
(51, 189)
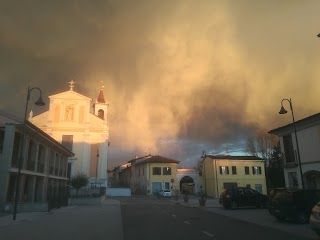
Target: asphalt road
(70, 223)
(154, 219)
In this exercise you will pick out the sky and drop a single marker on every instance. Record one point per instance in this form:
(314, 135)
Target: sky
(180, 77)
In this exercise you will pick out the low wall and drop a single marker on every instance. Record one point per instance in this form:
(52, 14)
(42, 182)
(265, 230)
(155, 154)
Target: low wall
(86, 201)
(118, 192)
(25, 207)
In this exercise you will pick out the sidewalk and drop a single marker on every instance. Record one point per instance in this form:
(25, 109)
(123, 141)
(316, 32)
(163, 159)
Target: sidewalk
(252, 215)
(72, 222)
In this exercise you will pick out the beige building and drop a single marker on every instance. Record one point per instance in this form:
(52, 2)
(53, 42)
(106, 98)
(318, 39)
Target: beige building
(85, 131)
(221, 172)
(308, 136)
(44, 166)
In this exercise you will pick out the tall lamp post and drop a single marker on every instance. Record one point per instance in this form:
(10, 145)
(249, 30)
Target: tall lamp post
(284, 111)
(39, 102)
(97, 163)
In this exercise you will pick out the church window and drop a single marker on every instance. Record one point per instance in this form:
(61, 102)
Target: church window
(67, 141)
(101, 114)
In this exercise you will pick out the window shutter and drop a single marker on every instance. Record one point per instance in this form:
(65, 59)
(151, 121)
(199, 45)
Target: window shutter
(220, 170)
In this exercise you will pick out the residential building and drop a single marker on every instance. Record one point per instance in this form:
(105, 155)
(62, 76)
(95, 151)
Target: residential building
(44, 166)
(221, 172)
(149, 174)
(71, 122)
(308, 136)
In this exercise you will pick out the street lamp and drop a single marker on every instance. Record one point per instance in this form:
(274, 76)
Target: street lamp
(39, 102)
(284, 111)
(97, 163)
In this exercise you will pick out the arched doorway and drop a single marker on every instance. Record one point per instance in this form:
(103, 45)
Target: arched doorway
(312, 179)
(187, 185)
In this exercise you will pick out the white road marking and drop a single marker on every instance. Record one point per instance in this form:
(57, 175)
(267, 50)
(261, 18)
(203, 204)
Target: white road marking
(186, 222)
(208, 234)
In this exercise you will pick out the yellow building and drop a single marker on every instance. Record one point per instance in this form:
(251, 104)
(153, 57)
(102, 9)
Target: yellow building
(150, 174)
(222, 172)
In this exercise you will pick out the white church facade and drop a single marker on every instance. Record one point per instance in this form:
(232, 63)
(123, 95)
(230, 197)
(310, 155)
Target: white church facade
(71, 122)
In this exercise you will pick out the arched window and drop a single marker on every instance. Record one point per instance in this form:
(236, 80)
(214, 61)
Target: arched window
(31, 161)
(41, 158)
(101, 114)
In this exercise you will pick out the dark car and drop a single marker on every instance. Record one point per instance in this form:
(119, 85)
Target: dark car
(242, 197)
(294, 204)
(315, 218)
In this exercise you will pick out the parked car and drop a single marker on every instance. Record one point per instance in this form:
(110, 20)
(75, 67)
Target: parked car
(165, 193)
(242, 197)
(315, 218)
(294, 204)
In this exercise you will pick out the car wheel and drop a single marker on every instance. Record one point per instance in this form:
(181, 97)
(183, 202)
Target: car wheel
(234, 205)
(301, 217)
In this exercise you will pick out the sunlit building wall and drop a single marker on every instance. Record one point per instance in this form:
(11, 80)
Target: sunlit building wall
(222, 172)
(70, 121)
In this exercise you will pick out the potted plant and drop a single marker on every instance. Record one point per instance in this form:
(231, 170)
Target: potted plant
(202, 199)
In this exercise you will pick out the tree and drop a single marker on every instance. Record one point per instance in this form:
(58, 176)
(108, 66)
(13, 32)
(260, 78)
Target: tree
(261, 145)
(267, 147)
(78, 181)
(275, 174)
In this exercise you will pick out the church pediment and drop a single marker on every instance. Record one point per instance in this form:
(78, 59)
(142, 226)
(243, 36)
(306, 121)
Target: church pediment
(70, 95)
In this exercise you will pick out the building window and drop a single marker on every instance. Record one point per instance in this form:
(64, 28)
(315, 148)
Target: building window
(166, 171)
(1, 140)
(292, 179)
(101, 114)
(256, 170)
(56, 165)
(166, 186)
(51, 163)
(234, 170)
(288, 149)
(67, 141)
(41, 158)
(224, 170)
(156, 170)
(246, 170)
(31, 161)
(258, 188)
(16, 147)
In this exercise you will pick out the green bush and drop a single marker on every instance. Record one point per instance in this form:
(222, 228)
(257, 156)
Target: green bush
(78, 181)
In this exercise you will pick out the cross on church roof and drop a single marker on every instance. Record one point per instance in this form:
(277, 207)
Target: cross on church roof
(71, 85)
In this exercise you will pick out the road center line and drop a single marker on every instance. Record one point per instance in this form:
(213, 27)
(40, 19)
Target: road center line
(208, 234)
(186, 222)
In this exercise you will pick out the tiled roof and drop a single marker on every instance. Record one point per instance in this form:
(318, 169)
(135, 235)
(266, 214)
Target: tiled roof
(101, 97)
(155, 159)
(227, 157)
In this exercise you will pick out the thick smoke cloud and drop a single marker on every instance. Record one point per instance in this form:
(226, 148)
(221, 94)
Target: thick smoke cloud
(181, 77)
